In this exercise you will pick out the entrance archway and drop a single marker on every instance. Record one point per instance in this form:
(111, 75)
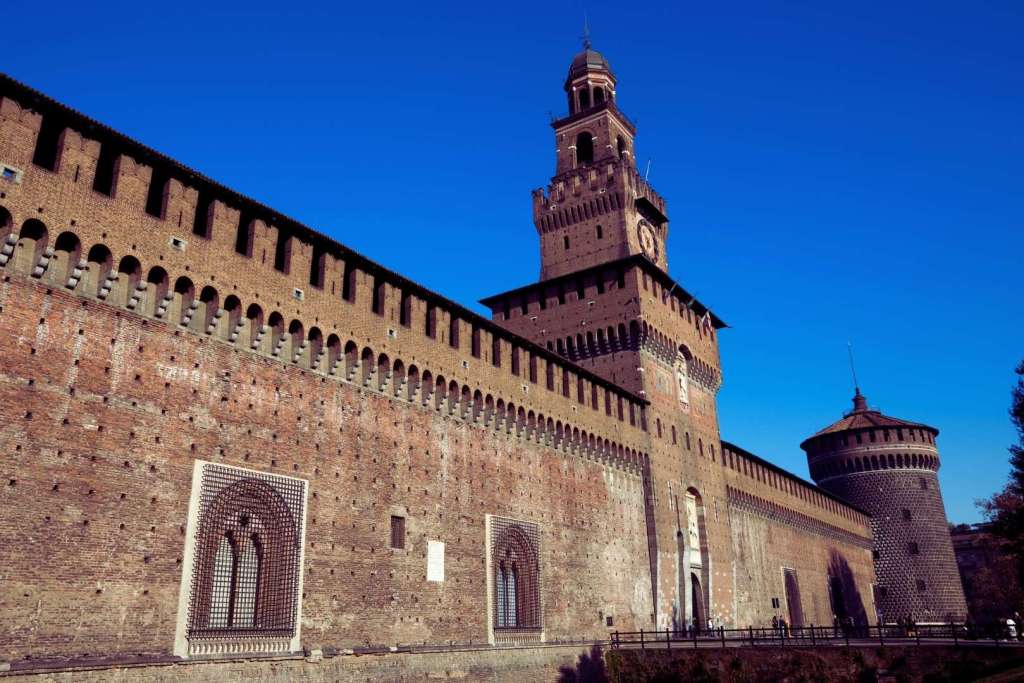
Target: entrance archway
(793, 602)
(697, 600)
(838, 599)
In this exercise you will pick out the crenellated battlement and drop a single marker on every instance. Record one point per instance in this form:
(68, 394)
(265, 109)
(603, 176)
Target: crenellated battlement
(772, 477)
(100, 215)
(590, 191)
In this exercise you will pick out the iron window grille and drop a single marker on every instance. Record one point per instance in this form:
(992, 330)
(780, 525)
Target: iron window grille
(248, 543)
(515, 562)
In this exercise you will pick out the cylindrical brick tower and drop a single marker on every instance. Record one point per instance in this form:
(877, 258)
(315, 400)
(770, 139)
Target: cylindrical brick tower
(888, 467)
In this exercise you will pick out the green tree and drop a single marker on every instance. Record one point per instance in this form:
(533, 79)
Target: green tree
(1005, 509)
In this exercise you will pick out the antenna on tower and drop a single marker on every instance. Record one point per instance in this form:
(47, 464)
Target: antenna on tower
(853, 368)
(648, 171)
(586, 31)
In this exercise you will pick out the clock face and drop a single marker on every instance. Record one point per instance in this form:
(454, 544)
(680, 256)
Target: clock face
(648, 240)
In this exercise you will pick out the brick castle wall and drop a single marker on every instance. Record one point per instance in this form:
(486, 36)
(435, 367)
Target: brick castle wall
(105, 411)
(214, 328)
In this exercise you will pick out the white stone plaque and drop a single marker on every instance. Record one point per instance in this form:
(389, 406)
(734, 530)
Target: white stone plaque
(435, 561)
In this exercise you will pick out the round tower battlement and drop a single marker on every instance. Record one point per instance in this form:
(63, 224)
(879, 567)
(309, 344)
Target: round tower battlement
(889, 468)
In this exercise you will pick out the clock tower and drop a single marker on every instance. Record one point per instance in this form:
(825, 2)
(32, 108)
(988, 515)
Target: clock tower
(606, 301)
(597, 208)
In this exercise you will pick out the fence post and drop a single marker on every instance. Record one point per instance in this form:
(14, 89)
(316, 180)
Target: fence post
(846, 635)
(917, 635)
(751, 628)
(615, 640)
(668, 641)
(881, 637)
(956, 641)
(721, 632)
(813, 641)
(642, 639)
(694, 634)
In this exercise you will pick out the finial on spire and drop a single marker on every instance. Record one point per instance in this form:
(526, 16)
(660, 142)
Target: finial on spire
(853, 369)
(586, 32)
(860, 404)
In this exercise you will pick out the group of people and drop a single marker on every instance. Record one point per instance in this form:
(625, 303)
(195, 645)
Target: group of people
(780, 626)
(907, 626)
(695, 628)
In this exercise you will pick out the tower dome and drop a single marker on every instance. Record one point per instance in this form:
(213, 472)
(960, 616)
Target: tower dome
(588, 60)
(590, 83)
(889, 468)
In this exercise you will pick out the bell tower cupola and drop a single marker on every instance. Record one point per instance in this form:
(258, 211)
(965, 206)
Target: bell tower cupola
(591, 81)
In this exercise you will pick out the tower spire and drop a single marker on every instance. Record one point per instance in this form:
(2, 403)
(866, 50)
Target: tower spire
(853, 369)
(860, 404)
(586, 32)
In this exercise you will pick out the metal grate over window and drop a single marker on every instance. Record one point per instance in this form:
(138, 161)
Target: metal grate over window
(245, 579)
(515, 561)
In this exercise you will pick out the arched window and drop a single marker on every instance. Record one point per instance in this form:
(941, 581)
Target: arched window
(516, 578)
(247, 558)
(620, 145)
(598, 95)
(584, 99)
(584, 148)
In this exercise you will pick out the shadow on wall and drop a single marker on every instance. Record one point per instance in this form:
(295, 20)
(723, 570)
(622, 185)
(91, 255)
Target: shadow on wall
(846, 599)
(589, 669)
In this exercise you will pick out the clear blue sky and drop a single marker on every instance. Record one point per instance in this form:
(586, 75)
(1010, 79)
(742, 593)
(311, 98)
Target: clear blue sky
(843, 173)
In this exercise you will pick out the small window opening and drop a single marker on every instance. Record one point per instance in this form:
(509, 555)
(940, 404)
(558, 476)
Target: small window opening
(317, 267)
(348, 284)
(405, 309)
(48, 144)
(397, 532)
(584, 148)
(244, 236)
(283, 252)
(204, 208)
(431, 322)
(565, 241)
(474, 342)
(600, 232)
(377, 304)
(584, 98)
(103, 181)
(156, 195)
(453, 332)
